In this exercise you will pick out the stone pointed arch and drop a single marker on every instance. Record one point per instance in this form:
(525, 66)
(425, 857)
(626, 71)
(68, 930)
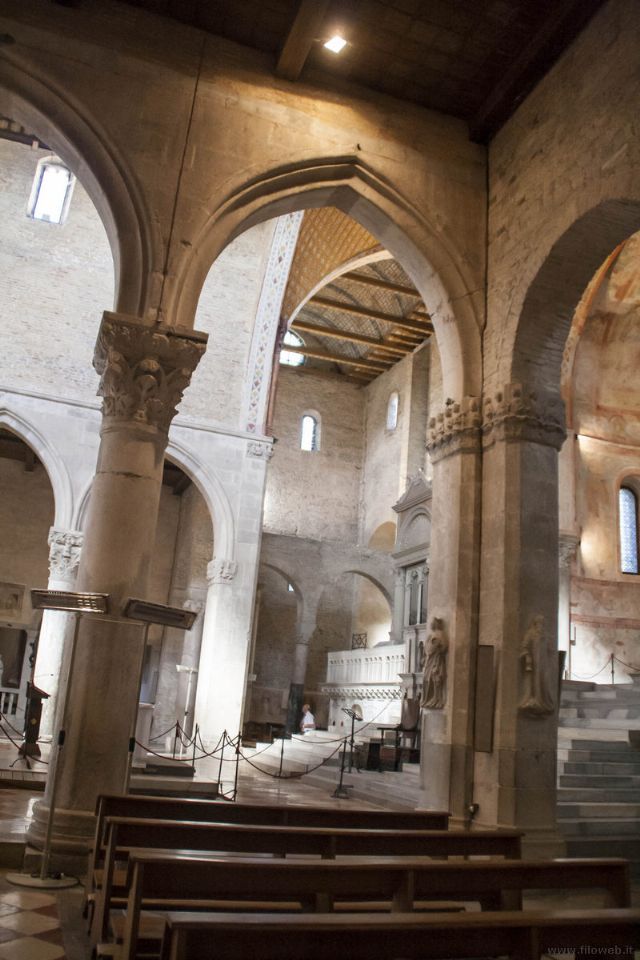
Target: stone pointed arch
(373, 579)
(32, 98)
(428, 255)
(53, 464)
(550, 303)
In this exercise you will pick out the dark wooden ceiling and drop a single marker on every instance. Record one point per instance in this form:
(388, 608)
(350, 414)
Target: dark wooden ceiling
(473, 59)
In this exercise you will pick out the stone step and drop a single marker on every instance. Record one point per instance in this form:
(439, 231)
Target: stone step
(620, 811)
(599, 756)
(601, 723)
(608, 782)
(597, 795)
(614, 769)
(611, 746)
(569, 734)
(596, 827)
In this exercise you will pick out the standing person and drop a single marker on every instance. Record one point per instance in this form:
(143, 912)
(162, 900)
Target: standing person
(308, 722)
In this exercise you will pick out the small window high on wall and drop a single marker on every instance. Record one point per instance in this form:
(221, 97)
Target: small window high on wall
(51, 192)
(310, 433)
(628, 517)
(392, 411)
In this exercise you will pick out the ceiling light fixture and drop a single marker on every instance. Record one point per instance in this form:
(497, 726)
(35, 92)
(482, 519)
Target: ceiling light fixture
(335, 43)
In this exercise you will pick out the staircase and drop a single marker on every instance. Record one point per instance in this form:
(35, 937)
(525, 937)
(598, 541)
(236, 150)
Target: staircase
(599, 770)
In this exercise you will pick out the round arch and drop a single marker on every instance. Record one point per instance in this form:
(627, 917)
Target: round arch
(35, 100)
(372, 579)
(210, 488)
(547, 312)
(427, 255)
(285, 576)
(56, 470)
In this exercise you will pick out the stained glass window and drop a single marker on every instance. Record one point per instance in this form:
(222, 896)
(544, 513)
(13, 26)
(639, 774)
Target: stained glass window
(628, 510)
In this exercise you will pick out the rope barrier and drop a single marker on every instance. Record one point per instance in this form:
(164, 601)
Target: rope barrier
(630, 666)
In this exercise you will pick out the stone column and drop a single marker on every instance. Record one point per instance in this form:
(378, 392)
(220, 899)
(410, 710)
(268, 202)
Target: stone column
(222, 668)
(447, 731)
(515, 784)
(57, 627)
(182, 648)
(397, 614)
(304, 633)
(567, 546)
(144, 370)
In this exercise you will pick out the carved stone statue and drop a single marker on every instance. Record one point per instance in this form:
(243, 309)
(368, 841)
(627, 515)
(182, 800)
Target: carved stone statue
(434, 681)
(536, 700)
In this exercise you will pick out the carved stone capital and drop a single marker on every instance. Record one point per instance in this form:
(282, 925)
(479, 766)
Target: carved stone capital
(64, 553)
(144, 369)
(455, 430)
(221, 571)
(260, 450)
(518, 414)
(567, 546)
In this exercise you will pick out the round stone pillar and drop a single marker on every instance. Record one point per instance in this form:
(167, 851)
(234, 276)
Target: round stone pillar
(144, 370)
(57, 626)
(515, 781)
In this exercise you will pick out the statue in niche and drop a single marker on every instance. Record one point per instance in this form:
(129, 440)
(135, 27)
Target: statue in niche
(537, 699)
(434, 681)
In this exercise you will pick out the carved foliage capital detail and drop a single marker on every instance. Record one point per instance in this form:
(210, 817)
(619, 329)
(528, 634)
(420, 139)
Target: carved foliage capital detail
(144, 369)
(456, 429)
(517, 413)
(259, 450)
(221, 571)
(64, 552)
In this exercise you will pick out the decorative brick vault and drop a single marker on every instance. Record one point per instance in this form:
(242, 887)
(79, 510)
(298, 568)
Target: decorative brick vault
(144, 369)
(511, 414)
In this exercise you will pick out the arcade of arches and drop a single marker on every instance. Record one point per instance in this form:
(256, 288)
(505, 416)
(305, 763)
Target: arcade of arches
(444, 441)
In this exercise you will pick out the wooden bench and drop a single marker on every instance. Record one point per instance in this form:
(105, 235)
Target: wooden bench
(124, 833)
(158, 880)
(210, 811)
(523, 936)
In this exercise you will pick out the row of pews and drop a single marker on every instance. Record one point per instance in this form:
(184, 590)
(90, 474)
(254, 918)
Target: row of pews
(194, 879)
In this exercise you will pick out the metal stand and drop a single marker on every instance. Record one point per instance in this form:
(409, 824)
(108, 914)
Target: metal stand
(354, 716)
(340, 791)
(132, 735)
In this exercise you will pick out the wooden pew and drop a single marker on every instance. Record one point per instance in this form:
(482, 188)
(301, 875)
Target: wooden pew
(124, 833)
(163, 881)
(523, 936)
(211, 811)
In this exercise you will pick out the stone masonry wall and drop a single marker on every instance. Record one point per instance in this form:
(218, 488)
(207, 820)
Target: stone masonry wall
(315, 493)
(571, 144)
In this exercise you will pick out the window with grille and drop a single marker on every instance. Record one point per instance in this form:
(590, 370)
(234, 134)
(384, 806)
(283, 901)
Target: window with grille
(628, 518)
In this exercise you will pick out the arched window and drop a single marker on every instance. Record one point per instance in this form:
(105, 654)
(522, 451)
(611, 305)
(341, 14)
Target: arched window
(310, 433)
(51, 191)
(628, 518)
(392, 411)
(287, 356)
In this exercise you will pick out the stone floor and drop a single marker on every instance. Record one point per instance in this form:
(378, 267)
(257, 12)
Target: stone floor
(47, 925)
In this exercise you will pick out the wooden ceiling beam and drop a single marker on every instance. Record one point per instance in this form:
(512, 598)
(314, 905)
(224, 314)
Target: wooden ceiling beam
(401, 322)
(305, 29)
(302, 326)
(379, 283)
(317, 354)
(565, 19)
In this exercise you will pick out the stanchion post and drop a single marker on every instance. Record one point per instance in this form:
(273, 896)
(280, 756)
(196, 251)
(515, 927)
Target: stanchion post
(224, 737)
(281, 757)
(134, 724)
(613, 675)
(235, 780)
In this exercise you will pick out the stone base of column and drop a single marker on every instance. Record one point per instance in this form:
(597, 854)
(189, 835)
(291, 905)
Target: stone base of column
(72, 838)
